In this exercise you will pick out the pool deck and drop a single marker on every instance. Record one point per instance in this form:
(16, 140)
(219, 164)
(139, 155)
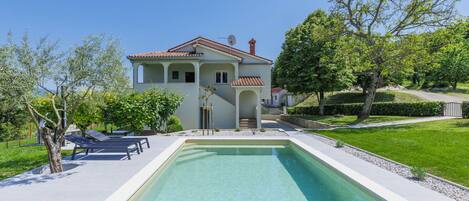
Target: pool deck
(99, 176)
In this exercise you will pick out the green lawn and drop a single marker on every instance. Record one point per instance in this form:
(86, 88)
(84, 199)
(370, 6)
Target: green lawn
(17, 159)
(348, 119)
(357, 97)
(442, 147)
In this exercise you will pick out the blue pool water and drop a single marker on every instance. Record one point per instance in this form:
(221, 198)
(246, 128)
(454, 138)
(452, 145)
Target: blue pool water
(270, 173)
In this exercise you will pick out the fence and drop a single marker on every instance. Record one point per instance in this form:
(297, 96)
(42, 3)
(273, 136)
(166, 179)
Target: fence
(453, 109)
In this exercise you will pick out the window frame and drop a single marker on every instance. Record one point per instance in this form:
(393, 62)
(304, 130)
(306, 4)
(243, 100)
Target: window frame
(172, 75)
(223, 77)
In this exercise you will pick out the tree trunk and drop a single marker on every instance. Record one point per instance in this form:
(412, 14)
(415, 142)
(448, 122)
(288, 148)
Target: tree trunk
(454, 85)
(369, 99)
(54, 150)
(322, 102)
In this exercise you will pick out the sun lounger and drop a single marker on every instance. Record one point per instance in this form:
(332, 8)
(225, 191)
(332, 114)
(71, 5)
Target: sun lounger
(87, 145)
(104, 138)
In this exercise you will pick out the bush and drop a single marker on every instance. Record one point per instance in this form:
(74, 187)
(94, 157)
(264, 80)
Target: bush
(339, 144)
(136, 110)
(174, 124)
(396, 109)
(237, 130)
(262, 130)
(418, 173)
(465, 109)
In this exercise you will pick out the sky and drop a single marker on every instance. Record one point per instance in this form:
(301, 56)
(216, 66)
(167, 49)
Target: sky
(143, 26)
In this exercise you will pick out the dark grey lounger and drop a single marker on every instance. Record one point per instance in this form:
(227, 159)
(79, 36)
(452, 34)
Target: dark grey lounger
(87, 144)
(104, 138)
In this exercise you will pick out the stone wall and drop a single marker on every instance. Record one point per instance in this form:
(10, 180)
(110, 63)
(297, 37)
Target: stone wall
(304, 123)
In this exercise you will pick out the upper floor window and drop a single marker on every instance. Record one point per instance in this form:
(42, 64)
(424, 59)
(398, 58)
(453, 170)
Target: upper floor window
(175, 75)
(221, 77)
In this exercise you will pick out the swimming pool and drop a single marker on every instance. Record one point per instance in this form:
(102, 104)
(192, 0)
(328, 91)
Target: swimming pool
(248, 170)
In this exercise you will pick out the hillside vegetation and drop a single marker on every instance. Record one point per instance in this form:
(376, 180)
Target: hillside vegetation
(358, 97)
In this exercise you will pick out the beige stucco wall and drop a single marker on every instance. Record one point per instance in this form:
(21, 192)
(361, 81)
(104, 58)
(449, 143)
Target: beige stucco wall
(247, 103)
(224, 115)
(212, 55)
(262, 70)
(153, 73)
(207, 78)
(182, 68)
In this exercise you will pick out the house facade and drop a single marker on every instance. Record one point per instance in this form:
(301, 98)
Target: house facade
(241, 81)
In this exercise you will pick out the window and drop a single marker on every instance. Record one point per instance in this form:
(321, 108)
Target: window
(221, 77)
(175, 75)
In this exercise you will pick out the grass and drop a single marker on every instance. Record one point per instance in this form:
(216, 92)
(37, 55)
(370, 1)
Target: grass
(17, 159)
(441, 147)
(358, 97)
(348, 119)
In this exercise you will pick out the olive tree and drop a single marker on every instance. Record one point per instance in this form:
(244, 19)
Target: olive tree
(66, 78)
(378, 23)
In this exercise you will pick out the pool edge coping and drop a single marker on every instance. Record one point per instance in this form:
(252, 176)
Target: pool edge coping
(128, 189)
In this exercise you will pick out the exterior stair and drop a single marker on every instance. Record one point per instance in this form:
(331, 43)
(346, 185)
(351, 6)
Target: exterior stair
(247, 123)
(194, 156)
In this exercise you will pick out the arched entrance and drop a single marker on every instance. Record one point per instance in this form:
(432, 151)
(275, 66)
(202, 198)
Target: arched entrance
(248, 113)
(248, 104)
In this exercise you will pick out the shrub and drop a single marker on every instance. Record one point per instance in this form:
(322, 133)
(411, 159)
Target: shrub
(174, 124)
(418, 173)
(397, 109)
(217, 130)
(262, 130)
(7, 132)
(136, 110)
(339, 144)
(465, 109)
(237, 130)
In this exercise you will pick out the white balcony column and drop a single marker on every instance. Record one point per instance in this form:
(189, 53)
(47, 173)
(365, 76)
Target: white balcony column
(135, 72)
(237, 107)
(165, 71)
(258, 109)
(197, 72)
(236, 70)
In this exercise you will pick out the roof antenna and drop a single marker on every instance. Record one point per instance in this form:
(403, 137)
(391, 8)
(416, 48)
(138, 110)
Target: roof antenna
(231, 39)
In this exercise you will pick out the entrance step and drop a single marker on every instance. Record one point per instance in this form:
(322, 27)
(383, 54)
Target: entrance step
(248, 123)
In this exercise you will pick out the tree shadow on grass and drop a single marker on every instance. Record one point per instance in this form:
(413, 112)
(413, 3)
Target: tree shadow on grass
(462, 124)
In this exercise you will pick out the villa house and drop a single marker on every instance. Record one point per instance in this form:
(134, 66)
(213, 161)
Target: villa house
(241, 79)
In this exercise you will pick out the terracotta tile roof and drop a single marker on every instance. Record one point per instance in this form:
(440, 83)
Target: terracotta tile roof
(276, 90)
(163, 55)
(248, 81)
(218, 46)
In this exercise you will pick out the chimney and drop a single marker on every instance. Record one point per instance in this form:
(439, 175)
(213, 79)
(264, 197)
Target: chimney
(252, 46)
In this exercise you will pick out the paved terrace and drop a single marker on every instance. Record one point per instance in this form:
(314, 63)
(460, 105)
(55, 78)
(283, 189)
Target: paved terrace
(98, 176)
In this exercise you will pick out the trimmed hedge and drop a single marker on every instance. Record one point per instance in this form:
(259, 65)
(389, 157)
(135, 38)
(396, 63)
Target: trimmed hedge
(465, 109)
(394, 109)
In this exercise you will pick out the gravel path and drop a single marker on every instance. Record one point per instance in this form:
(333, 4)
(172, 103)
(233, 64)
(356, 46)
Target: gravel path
(434, 96)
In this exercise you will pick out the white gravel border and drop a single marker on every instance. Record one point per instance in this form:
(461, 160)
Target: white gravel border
(448, 188)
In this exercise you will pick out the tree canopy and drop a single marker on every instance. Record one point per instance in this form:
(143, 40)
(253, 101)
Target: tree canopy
(67, 78)
(308, 61)
(377, 24)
